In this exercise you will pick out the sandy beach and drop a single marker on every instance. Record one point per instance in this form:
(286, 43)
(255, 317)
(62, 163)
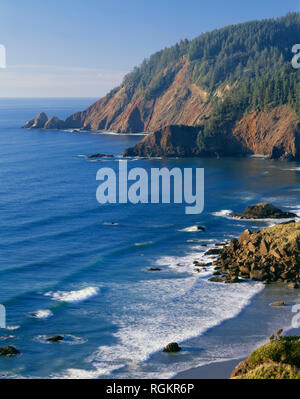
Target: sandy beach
(246, 332)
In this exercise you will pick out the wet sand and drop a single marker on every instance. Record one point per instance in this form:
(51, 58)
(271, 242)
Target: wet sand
(233, 340)
(216, 371)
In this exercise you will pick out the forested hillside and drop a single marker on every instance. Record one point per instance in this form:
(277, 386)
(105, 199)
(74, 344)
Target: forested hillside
(211, 82)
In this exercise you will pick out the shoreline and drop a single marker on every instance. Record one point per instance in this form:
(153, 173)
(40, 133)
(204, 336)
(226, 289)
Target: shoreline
(246, 332)
(212, 371)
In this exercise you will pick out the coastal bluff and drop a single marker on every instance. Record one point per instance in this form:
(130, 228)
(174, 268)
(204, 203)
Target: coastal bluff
(273, 134)
(221, 94)
(278, 359)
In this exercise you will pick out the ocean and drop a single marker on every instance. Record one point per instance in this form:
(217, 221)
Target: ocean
(70, 266)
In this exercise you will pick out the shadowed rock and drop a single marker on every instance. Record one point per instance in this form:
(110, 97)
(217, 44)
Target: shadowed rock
(9, 351)
(279, 303)
(54, 123)
(56, 338)
(270, 254)
(95, 156)
(172, 348)
(263, 211)
(38, 122)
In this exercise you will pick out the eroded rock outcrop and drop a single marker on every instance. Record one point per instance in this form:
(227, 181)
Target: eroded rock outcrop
(55, 338)
(54, 123)
(270, 254)
(170, 141)
(38, 122)
(263, 211)
(181, 141)
(273, 134)
(9, 351)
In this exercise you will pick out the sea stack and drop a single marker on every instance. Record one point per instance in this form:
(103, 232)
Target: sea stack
(38, 122)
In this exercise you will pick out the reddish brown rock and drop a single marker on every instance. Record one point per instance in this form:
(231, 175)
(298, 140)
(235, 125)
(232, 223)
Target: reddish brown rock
(280, 245)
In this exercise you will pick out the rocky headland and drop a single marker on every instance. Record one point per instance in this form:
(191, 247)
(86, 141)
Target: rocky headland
(42, 122)
(271, 254)
(217, 95)
(263, 211)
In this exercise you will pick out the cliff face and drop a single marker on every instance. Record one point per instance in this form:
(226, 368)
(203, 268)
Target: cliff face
(274, 134)
(271, 254)
(236, 85)
(182, 103)
(169, 141)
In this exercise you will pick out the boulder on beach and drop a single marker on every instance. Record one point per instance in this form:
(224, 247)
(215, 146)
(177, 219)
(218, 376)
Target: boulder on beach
(293, 285)
(213, 251)
(278, 303)
(172, 348)
(269, 254)
(9, 351)
(263, 211)
(56, 338)
(38, 122)
(224, 278)
(217, 279)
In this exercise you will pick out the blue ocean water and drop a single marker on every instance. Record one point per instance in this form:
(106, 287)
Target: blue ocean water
(64, 269)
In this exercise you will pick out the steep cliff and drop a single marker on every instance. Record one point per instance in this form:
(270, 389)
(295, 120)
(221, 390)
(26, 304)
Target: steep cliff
(236, 84)
(274, 134)
(183, 102)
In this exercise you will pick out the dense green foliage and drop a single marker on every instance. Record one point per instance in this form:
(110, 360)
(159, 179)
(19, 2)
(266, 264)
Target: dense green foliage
(278, 359)
(160, 83)
(243, 51)
(233, 54)
(142, 76)
(243, 67)
(282, 350)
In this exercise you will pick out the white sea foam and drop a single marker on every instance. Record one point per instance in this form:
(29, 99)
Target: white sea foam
(122, 134)
(191, 229)
(42, 314)
(74, 296)
(257, 156)
(6, 337)
(12, 328)
(222, 213)
(110, 224)
(81, 374)
(296, 168)
(143, 244)
(269, 222)
(162, 311)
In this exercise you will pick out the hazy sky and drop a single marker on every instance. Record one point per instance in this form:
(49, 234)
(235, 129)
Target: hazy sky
(83, 48)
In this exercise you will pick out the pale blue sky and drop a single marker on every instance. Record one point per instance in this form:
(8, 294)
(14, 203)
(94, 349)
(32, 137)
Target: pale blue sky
(83, 48)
